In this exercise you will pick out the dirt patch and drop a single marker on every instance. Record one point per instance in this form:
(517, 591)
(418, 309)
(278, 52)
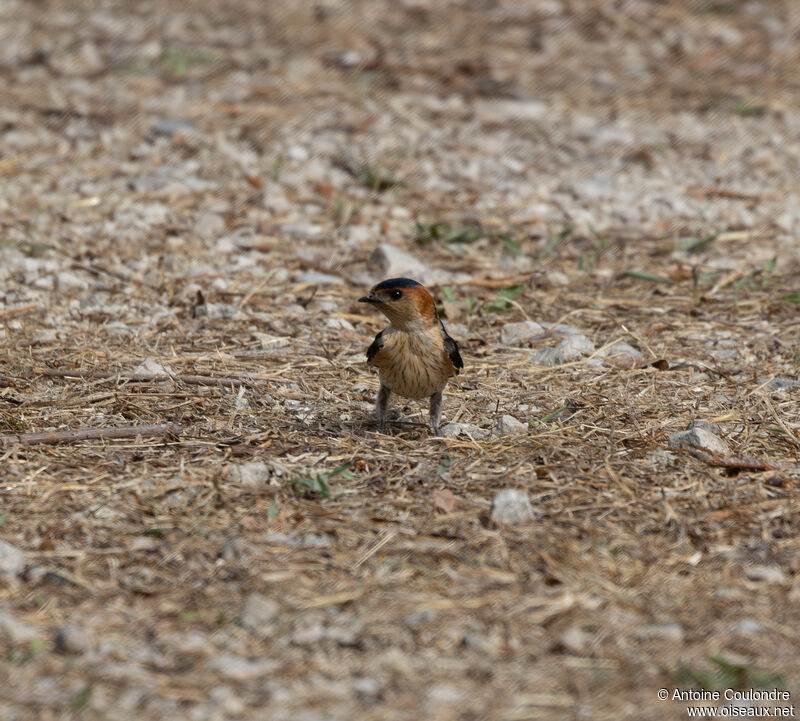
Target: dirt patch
(193, 195)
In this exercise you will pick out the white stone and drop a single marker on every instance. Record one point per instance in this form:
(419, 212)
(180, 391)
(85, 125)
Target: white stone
(556, 277)
(303, 231)
(562, 328)
(44, 336)
(339, 324)
(189, 647)
(499, 111)
(747, 627)
(116, 329)
(599, 187)
(508, 425)
(320, 278)
(359, 233)
(253, 474)
(512, 506)
(621, 351)
(669, 631)
(545, 357)
(225, 245)
(297, 152)
(217, 311)
(150, 367)
(15, 633)
(576, 640)
(573, 347)
(441, 698)
(396, 263)
(66, 282)
(704, 425)
(783, 384)
(12, 560)
(259, 612)
(519, 333)
(765, 574)
(699, 439)
(242, 669)
(209, 225)
(451, 430)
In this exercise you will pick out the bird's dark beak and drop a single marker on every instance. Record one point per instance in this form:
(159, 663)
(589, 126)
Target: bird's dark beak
(369, 299)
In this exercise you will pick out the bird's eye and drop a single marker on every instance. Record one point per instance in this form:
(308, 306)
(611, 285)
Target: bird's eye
(396, 294)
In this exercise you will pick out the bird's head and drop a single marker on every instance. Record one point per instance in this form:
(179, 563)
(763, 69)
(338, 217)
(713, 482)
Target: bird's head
(406, 303)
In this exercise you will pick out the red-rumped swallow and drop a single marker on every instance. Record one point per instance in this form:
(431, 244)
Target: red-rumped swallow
(414, 356)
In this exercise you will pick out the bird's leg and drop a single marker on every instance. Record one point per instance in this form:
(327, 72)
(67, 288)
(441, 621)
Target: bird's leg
(436, 411)
(381, 404)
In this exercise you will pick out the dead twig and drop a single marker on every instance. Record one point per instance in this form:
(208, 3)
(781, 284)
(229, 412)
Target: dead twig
(17, 309)
(238, 380)
(89, 434)
(744, 463)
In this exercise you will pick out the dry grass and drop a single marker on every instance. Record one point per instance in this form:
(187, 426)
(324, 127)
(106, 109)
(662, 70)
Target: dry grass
(395, 602)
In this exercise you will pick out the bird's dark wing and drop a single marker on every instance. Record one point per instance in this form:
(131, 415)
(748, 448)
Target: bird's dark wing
(377, 344)
(451, 348)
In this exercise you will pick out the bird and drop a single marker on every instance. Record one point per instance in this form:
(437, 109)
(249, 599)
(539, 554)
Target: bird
(414, 355)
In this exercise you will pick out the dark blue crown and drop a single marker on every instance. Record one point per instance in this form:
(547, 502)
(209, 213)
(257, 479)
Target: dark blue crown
(392, 283)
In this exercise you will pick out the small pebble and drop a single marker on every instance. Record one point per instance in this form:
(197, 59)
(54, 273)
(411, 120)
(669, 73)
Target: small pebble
(189, 647)
(216, 311)
(451, 430)
(561, 328)
(303, 231)
(253, 474)
(699, 439)
(170, 126)
(704, 425)
(72, 640)
(621, 349)
(259, 612)
(339, 324)
(419, 618)
(150, 367)
(237, 549)
(320, 278)
(44, 336)
(576, 640)
(520, 333)
(510, 426)
(396, 263)
(668, 631)
(14, 632)
(783, 384)
(765, 574)
(573, 347)
(511, 506)
(297, 152)
(299, 540)
(746, 627)
(67, 282)
(209, 225)
(12, 560)
(238, 668)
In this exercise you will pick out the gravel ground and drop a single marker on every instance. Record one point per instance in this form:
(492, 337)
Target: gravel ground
(604, 198)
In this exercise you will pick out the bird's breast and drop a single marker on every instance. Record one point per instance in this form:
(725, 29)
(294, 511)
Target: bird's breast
(413, 365)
